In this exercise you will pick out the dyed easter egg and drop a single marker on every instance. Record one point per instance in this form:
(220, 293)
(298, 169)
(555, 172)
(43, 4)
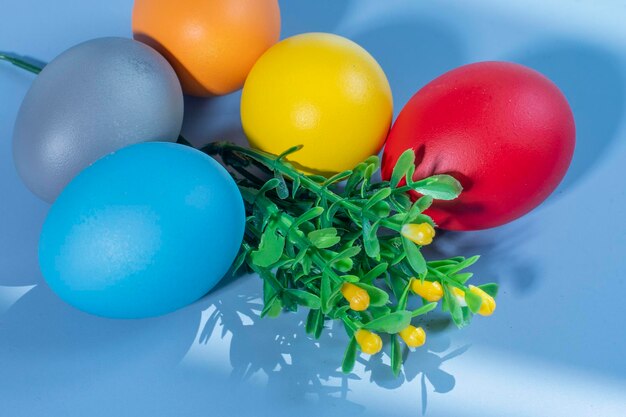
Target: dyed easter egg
(143, 231)
(212, 44)
(503, 130)
(93, 99)
(322, 91)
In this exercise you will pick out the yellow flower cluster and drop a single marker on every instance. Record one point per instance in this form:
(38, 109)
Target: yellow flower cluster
(432, 291)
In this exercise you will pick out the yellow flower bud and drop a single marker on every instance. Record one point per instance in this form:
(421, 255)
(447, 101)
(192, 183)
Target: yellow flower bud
(369, 342)
(460, 295)
(413, 336)
(430, 291)
(358, 298)
(488, 305)
(421, 234)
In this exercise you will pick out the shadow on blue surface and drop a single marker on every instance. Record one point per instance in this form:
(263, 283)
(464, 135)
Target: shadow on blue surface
(311, 16)
(412, 52)
(592, 79)
(213, 119)
(501, 260)
(300, 368)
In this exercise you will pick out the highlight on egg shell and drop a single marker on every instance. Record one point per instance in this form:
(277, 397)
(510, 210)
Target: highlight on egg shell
(93, 99)
(212, 44)
(327, 93)
(142, 232)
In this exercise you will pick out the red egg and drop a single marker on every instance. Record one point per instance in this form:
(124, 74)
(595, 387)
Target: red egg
(503, 130)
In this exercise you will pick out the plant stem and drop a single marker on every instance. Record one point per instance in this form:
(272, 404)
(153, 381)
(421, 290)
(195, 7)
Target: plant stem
(21, 63)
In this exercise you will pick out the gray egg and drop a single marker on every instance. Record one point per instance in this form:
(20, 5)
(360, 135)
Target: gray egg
(93, 99)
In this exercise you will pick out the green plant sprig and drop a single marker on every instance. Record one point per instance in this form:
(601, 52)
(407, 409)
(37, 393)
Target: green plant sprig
(307, 236)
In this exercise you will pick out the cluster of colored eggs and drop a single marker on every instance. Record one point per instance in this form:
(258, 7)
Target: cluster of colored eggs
(138, 226)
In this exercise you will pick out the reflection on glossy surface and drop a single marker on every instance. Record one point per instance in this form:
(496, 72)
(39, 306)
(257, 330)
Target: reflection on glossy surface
(10, 295)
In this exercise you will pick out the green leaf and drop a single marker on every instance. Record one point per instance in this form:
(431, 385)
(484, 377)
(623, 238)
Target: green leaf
(378, 297)
(373, 164)
(402, 200)
(442, 262)
(381, 209)
(423, 309)
(439, 187)
(305, 298)
(295, 186)
(379, 196)
(268, 291)
(315, 323)
(417, 208)
(289, 152)
(298, 258)
(329, 215)
(424, 202)
(269, 185)
(311, 321)
(337, 178)
(404, 162)
(462, 278)
(397, 284)
(374, 273)
(281, 189)
(342, 261)
(466, 263)
(373, 161)
(239, 261)
(491, 289)
(473, 301)
(422, 218)
(355, 178)
(349, 357)
(391, 323)
(453, 307)
(272, 308)
(370, 239)
(324, 238)
(339, 312)
(414, 256)
(267, 276)
(325, 294)
(396, 355)
(379, 311)
(350, 278)
(320, 325)
(307, 216)
(404, 297)
(270, 249)
(307, 264)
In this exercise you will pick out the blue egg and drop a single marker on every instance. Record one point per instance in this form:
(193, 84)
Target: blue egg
(93, 99)
(142, 232)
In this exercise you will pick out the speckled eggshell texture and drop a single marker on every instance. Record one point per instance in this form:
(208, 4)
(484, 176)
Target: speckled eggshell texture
(93, 99)
(142, 232)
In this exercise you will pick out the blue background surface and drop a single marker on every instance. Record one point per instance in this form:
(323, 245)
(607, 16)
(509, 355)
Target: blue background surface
(555, 346)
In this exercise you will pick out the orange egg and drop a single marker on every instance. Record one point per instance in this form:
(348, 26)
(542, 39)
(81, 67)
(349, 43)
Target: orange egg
(212, 44)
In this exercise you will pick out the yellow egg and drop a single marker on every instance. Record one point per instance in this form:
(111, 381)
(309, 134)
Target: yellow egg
(212, 44)
(322, 91)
